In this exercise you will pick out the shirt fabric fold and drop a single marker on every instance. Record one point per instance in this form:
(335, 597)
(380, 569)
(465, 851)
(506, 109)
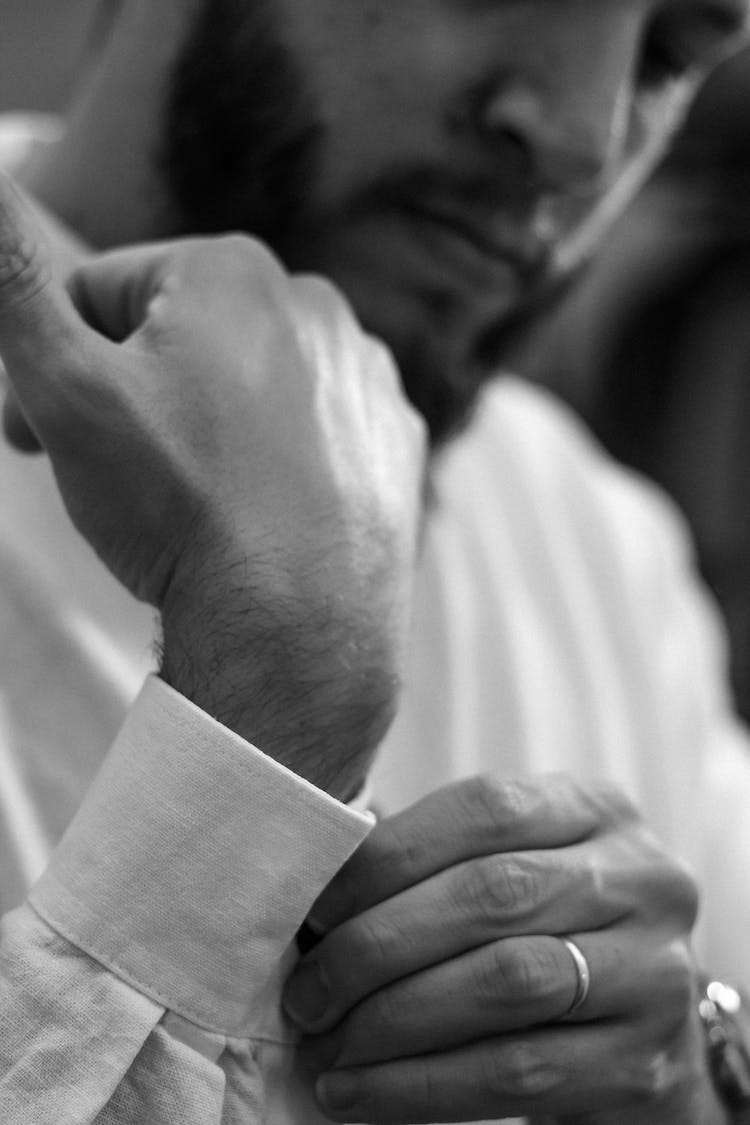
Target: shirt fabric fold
(150, 956)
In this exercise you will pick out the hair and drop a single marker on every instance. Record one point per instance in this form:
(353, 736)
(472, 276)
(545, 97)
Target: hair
(238, 147)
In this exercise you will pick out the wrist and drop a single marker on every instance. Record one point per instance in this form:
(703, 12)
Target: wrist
(315, 708)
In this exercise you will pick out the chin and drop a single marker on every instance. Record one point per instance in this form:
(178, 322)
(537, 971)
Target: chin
(438, 360)
(448, 339)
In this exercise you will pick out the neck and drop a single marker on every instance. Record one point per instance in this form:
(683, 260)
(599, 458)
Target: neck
(101, 179)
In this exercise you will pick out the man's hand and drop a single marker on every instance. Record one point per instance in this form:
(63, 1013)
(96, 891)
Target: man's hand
(240, 455)
(442, 990)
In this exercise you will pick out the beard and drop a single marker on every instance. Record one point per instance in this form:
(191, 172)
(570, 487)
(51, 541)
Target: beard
(241, 149)
(239, 146)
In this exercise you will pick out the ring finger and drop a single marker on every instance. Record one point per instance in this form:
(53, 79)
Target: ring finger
(544, 1071)
(503, 986)
(469, 906)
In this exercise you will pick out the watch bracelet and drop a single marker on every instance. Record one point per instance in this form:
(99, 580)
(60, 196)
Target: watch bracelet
(725, 1017)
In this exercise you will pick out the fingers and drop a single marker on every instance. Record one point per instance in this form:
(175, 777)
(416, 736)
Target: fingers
(505, 986)
(114, 292)
(119, 292)
(481, 816)
(43, 340)
(557, 1071)
(465, 907)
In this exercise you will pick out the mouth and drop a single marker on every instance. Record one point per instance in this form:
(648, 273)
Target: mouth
(485, 246)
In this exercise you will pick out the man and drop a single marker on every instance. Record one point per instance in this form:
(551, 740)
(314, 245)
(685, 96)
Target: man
(406, 129)
(237, 582)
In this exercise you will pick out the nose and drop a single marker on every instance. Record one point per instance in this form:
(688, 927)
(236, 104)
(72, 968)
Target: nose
(562, 154)
(569, 109)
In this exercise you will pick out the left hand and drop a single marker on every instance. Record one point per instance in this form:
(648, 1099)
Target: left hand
(442, 989)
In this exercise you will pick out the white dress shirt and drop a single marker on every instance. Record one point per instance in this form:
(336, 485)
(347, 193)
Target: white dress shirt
(560, 625)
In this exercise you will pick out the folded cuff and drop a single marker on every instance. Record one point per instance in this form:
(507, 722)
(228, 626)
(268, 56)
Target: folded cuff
(192, 863)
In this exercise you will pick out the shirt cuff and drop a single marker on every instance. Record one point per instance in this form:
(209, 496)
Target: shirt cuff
(192, 863)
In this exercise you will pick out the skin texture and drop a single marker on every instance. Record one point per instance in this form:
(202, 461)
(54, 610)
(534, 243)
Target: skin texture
(442, 157)
(191, 404)
(426, 946)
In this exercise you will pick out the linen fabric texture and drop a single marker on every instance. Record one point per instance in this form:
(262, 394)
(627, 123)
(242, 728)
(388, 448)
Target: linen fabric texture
(152, 951)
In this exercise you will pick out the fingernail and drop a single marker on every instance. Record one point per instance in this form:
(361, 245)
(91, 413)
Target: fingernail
(337, 1091)
(306, 995)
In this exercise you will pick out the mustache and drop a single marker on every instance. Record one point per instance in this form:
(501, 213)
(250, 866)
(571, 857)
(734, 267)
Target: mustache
(503, 225)
(484, 193)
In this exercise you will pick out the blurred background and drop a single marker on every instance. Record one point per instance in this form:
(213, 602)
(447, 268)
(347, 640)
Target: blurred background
(42, 43)
(653, 348)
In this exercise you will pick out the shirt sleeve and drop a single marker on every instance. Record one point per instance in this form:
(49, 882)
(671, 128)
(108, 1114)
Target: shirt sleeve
(163, 927)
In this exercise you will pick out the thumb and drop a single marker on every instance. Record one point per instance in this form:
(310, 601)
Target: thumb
(41, 335)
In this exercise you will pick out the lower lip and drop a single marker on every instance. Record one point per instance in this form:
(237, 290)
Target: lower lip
(457, 252)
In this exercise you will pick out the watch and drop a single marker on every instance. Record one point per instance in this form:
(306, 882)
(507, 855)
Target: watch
(726, 1022)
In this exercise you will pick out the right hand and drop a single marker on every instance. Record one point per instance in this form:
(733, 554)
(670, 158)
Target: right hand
(240, 454)
(441, 990)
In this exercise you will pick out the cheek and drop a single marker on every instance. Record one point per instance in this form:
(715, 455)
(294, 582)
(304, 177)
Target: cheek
(387, 77)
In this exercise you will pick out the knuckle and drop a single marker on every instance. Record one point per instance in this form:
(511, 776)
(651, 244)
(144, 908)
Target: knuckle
(668, 888)
(498, 887)
(242, 249)
(492, 803)
(517, 975)
(319, 293)
(613, 804)
(519, 1071)
(235, 255)
(326, 290)
(654, 1079)
(238, 252)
